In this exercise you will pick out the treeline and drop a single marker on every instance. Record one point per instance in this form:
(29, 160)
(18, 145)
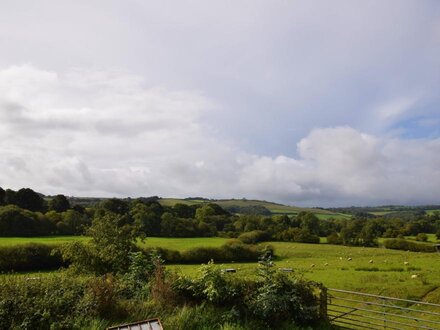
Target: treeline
(27, 213)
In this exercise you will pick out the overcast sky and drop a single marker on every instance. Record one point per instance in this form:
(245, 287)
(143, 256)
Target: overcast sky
(326, 103)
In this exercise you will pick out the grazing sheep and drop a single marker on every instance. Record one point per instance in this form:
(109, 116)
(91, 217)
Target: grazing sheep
(340, 258)
(349, 259)
(371, 261)
(414, 276)
(312, 265)
(326, 264)
(406, 263)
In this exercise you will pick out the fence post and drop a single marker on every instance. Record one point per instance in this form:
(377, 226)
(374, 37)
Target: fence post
(323, 300)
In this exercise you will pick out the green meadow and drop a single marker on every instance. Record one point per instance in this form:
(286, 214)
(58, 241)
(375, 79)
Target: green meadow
(372, 270)
(10, 241)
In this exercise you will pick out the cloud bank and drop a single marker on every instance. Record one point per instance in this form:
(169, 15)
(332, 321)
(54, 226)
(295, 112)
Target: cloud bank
(108, 133)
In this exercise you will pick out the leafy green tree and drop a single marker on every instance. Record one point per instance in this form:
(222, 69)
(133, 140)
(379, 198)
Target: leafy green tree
(59, 203)
(109, 248)
(309, 221)
(115, 205)
(28, 199)
(74, 222)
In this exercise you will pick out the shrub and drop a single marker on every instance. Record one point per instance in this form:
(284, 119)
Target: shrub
(273, 298)
(402, 244)
(334, 238)
(30, 257)
(47, 303)
(233, 250)
(255, 236)
(422, 237)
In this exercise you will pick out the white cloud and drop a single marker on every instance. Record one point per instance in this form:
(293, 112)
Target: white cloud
(97, 133)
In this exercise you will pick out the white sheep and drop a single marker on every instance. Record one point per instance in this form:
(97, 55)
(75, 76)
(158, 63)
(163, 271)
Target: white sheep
(326, 264)
(414, 276)
(349, 259)
(406, 263)
(312, 265)
(371, 261)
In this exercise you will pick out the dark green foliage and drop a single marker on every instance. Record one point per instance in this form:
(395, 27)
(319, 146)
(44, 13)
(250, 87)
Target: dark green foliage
(422, 237)
(30, 257)
(115, 205)
(233, 250)
(9, 197)
(273, 298)
(15, 221)
(251, 209)
(50, 303)
(28, 199)
(401, 244)
(2, 196)
(59, 203)
(254, 237)
(334, 238)
(109, 249)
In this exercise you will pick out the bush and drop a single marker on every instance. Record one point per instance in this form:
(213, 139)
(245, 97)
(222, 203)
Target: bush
(233, 250)
(255, 236)
(422, 237)
(47, 303)
(30, 257)
(402, 244)
(334, 238)
(273, 298)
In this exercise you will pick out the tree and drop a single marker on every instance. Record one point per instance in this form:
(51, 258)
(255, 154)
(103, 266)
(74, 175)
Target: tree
(59, 203)
(146, 219)
(109, 248)
(309, 221)
(2, 196)
(9, 197)
(28, 199)
(115, 205)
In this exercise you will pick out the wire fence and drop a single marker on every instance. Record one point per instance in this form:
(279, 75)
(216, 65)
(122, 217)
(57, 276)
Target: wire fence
(355, 310)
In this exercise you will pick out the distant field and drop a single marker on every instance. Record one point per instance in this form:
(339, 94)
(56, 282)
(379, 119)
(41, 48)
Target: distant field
(182, 244)
(272, 207)
(8, 241)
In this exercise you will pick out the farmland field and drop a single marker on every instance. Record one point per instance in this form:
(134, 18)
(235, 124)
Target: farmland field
(10, 241)
(386, 274)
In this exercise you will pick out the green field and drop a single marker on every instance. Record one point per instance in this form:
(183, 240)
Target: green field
(8, 241)
(181, 244)
(385, 275)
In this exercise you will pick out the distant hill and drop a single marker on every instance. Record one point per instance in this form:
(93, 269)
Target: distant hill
(274, 208)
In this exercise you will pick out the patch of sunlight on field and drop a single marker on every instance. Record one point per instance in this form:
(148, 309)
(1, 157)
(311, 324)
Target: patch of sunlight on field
(10, 241)
(181, 244)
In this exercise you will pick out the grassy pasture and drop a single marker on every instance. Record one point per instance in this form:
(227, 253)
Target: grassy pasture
(181, 244)
(386, 275)
(10, 241)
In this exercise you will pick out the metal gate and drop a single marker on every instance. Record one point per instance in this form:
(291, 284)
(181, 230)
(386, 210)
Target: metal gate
(355, 310)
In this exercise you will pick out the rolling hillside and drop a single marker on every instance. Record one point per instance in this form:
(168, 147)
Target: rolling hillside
(274, 208)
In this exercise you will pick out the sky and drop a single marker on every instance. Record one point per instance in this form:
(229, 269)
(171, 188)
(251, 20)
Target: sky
(309, 103)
